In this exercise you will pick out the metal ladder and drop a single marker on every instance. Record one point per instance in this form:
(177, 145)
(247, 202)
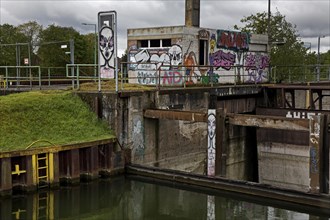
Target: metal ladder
(42, 167)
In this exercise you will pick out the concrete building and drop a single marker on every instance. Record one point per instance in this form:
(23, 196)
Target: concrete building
(190, 54)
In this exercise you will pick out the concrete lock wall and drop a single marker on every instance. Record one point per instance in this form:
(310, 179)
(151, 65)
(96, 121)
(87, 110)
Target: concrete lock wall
(283, 155)
(175, 144)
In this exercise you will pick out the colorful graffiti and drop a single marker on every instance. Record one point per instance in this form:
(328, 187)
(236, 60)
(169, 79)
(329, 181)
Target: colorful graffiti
(172, 78)
(223, 59)
(231, 40)
(190, 63)
(256, 66)
(228, 53)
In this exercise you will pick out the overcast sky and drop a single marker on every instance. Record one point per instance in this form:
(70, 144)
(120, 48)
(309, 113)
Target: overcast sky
(312, 17)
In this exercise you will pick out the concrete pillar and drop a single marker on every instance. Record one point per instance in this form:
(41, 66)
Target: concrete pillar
(192, 13)
(315, 144)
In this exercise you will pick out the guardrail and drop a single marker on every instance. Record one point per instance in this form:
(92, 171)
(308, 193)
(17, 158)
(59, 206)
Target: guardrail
(160, 76)
(15, 75)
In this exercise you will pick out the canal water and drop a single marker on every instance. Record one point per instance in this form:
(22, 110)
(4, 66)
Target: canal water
(123, 198)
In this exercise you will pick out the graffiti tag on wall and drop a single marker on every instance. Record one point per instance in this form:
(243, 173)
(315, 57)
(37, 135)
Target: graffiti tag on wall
(106, 39)
(231, 40)
(303, 115)
(211, 132)
(223, 59)
(256, 65)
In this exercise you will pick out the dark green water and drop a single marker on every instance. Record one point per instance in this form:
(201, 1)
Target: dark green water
(127, 199)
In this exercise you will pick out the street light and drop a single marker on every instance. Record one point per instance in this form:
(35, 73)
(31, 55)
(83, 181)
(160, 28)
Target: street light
(318, 56)
(95, 46)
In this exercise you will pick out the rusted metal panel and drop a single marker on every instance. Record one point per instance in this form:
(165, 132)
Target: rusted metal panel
(283, 136)
(94, 169)
(175, 115)
(274, 122)
(290, 113)
(75, 166)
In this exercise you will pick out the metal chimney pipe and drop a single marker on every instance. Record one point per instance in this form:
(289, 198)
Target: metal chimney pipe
(192, 16)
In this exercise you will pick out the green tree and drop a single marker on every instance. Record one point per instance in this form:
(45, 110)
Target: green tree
(50, 51)
(89, 48)
(32, 31)
(9, 37)
(287, 53)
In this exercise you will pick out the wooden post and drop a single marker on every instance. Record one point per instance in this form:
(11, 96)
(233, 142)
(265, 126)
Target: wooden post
(6, 177)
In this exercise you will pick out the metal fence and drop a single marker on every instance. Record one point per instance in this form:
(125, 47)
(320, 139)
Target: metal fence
(159, 76)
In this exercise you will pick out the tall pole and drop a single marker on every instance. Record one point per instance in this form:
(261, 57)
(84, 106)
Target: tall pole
(95, 52)
(72, 60)
(318, 57)
(269, 42)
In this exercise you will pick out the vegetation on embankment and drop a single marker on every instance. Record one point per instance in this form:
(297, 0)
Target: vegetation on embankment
(110, 85)
(47, 118)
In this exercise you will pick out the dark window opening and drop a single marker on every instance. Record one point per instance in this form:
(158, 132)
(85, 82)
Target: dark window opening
(143, 43)
(154, 43)
(166, 43)
(203, 52)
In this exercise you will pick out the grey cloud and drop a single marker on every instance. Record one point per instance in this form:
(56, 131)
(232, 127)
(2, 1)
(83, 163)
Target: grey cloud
(311, 17)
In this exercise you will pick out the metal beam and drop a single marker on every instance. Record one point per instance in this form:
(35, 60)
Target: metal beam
(274, 122)
(175, 115)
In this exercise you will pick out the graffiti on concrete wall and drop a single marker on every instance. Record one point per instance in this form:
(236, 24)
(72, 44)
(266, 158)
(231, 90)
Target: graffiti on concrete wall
(210, 208)
(293, 114)
(227, 60)
(147, 62)
(314, 131)
(223, 59)
(172, 78)
(137, 139)
(256, 66)
(190, 65)
(106, 47)
(211, 132)
(233, 40)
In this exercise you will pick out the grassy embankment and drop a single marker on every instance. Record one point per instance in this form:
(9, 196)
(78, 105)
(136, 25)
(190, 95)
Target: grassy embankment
(48, 118)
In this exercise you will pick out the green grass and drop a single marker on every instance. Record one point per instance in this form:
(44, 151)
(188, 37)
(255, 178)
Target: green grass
(47, 118)
(110, 85)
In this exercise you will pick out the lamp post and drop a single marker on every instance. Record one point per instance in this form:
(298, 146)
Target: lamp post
(318, 57)
(95, 47)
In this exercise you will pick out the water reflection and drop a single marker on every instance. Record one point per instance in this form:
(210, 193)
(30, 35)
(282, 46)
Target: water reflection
(127, 199)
